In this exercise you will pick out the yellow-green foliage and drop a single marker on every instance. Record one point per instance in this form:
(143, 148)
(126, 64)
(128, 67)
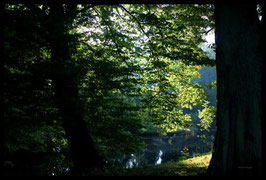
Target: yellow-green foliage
(200, 161)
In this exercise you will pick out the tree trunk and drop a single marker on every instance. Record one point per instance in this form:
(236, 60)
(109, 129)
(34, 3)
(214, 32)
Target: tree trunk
(238, 141)
(263, 89)
(84, 154)
(2, 13)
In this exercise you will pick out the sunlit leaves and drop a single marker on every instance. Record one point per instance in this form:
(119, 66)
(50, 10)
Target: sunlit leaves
(206, 116)
(147, 52)
(168, 92)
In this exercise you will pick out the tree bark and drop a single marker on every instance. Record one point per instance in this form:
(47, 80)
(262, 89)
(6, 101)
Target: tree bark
(263, 89)
(238, 141)
(2, 13)
(84, 154)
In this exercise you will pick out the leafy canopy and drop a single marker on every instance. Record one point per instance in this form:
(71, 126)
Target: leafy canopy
(133, 65)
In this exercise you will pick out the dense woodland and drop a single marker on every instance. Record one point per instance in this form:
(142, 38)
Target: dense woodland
(84, 85)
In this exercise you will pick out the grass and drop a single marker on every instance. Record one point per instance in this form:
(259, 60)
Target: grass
(195, 166)
(199, 161)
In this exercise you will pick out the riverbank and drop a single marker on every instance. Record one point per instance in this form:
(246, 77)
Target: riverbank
(195, 166)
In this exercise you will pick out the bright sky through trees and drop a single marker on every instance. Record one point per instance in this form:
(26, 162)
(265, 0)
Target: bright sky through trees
(210, 38)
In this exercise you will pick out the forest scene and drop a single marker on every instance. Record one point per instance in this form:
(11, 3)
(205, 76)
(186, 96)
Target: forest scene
(132, 89)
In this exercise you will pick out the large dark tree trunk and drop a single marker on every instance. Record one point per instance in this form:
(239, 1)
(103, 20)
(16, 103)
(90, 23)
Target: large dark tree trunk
(263, 52)
(2, 9)
(238, 141)
(84, 155)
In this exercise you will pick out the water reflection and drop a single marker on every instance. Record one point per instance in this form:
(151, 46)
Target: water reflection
(132, 162)
(159, 161)
(161, 150)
